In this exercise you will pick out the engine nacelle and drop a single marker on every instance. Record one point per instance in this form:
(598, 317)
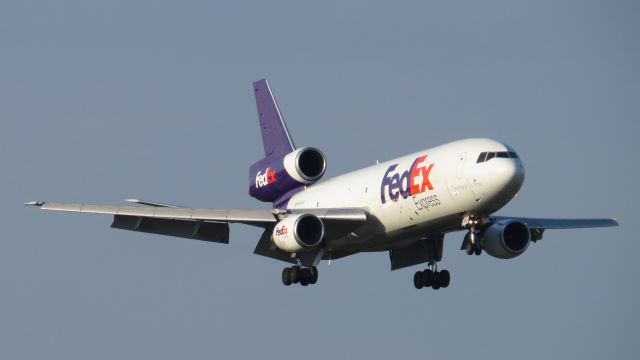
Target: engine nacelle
(298, 233)
(306, 165)
(506, 239)
(275, 176)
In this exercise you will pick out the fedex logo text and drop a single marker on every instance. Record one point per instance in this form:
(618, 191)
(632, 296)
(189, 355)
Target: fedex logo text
(409, 183)
(282, 231)
(266, 178)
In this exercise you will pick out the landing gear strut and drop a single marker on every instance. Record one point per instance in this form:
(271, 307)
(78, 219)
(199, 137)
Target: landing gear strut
(431, 277)
(472, 243)
(299, 275)
(472, 239)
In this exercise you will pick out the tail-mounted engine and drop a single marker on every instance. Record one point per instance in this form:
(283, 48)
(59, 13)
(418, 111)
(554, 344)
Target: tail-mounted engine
(306, 165)
(506, 239)
(298, 233)
(272, 178)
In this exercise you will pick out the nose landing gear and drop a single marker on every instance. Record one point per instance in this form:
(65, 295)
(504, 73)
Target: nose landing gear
(472, 244)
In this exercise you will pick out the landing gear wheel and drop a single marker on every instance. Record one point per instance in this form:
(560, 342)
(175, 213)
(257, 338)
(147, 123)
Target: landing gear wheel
(313, 271)
(433, 279)
(306, 276)
(417, 280)
(286, 276)
(445, 278)
(295, 274)
(427, 278)
(477, 250)
(435, 283)
(299, 275)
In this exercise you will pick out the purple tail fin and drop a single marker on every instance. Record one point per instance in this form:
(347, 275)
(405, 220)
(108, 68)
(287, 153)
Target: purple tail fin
(275, 136)
(284, 170)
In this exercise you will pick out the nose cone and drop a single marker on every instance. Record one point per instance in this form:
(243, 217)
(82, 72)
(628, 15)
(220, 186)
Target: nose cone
(503, 178)
(508, 175)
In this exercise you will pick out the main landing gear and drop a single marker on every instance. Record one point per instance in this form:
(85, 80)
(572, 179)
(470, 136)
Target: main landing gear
(302, 275)
(431, 277)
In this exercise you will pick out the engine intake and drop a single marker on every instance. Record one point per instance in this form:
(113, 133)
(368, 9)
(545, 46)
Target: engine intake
(506, 239)
(306, 165)
(298, 232)
(274, 177)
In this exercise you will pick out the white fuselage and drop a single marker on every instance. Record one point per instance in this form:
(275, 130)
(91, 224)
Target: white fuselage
(427, 192)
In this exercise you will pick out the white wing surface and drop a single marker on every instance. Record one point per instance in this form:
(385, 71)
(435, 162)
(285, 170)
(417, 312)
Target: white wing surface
(536, 223)
(200, 224)
(257, 217)
(539, 225)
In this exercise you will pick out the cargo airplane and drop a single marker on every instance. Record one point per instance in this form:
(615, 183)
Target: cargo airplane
(404, 206)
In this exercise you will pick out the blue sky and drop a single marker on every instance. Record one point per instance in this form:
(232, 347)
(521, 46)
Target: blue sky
(101, 101)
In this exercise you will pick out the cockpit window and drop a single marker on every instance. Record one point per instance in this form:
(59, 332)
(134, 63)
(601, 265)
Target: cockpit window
(488, 155)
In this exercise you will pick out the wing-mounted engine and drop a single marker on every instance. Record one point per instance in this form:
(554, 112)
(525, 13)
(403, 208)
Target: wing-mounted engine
(506, 239)
(298, 232)
(272, 178)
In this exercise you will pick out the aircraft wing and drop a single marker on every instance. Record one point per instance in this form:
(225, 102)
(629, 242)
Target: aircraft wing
(535, 223)
(257, 217)
(539, 225)
(201, 224)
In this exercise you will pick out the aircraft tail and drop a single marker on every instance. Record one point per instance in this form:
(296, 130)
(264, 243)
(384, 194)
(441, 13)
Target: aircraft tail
(284, 170)
(275, 136)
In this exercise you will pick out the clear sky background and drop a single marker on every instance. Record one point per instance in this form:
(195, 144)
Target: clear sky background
(105, 100)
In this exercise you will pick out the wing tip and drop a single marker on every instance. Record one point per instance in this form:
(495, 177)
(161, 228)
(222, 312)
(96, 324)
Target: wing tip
(34, 203)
